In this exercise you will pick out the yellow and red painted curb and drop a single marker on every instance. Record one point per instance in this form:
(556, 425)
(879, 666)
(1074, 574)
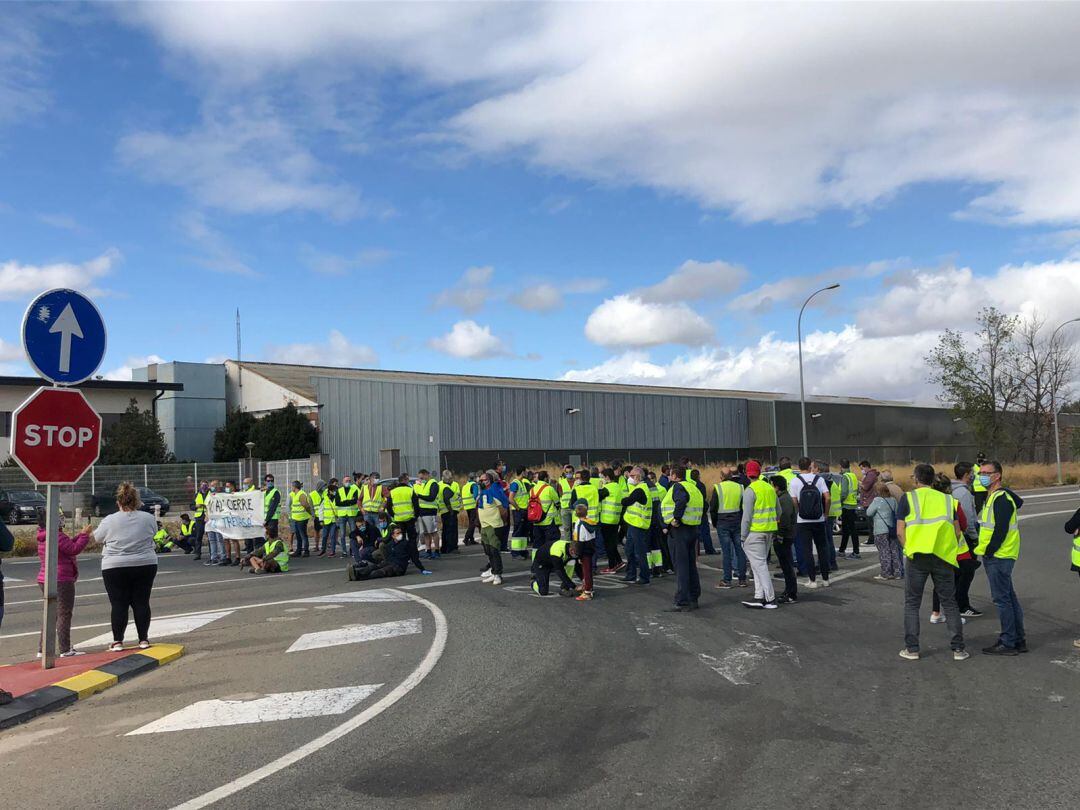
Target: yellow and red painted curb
(76, 687)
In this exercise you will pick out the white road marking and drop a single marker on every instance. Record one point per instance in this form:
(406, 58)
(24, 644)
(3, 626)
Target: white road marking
(165, 627)
(423, 669)
(855, 573)
(268, 709)
(463, 581)
(356, 634)
(374, 595)
(1071, 663)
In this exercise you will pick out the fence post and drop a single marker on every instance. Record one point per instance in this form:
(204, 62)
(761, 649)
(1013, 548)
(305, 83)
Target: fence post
(93, 483)
(145, 476)
(196, 476)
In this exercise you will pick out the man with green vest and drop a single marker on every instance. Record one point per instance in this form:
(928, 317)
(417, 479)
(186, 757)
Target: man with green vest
(187, 526)
(682, 511)
(999, 546)
(849, 502)
(546, 530)
(299, 515)
(725, 509)
(470, 491)
(759, 525)
(566, 510)
(928, 529)
(348, 509)
(585, 490)
(271, 506)
(978, 490)
(552, 557)
(199, 506)
(449, 507)
(402, 507)
(162, 541)
(836, 507)
(637, 505)
(611, 513)
(783, 467)
(272, 558)
(427, 511)
(520, 488)
(372, 500)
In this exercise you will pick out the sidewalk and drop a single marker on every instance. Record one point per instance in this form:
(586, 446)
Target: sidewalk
(38, 690)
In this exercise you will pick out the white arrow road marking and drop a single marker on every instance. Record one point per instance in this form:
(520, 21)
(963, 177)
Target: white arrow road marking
(67, 325)
(282, 706)
(177, 626)
(376, 595)
(355, 634)
(1072, 662)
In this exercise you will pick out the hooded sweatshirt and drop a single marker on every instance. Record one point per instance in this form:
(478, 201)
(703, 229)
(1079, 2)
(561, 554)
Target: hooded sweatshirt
(67, 569)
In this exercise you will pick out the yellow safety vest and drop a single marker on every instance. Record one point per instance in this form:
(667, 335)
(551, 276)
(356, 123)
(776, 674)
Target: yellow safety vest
(329, 513)
(1010, 548)
(266, 503)
(611, 506)
(468, 495)
(520, 497)
(560, 550)
(427, 492)
(401, 501)
(852, 499)
(296, 507)
(835, 506)
(456, 500)
(695, 509)
(1076, 553)
(276, 549)
(374, 499)
(316, 503)
(565, 488)
(346, 493)
(440, 501)
(187, 528)
(787, 475)
(729, 496)
(161, 537)
(766, 508)
(928, 527)
(548, 498)
(589, 494)
(200, 505)
(658, 492)
(639, 515)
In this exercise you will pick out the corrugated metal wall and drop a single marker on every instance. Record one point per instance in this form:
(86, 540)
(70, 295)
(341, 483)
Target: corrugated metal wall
(358, 418)
(492, 418)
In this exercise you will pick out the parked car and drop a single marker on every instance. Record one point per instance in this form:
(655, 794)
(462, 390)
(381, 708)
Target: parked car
(21, 505)
(104, 503)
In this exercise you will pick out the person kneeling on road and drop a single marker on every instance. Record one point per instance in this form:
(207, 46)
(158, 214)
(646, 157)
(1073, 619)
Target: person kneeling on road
(552, 557)
(391, 558)
(272, 558)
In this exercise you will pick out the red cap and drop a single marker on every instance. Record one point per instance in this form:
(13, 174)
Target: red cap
(753, 469)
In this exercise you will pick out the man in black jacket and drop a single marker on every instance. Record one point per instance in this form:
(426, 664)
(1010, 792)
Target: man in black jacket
(392, 558)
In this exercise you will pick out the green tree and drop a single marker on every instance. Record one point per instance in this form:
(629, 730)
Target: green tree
(135, 438)
(285, 433)
(230, 438)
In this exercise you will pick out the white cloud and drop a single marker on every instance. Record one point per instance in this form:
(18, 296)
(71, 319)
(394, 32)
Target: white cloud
(217, 253)
(332, 264)
(631, 322)
(123, 372)
(62, 222)
(470, 293)
(470, 341)
(10, 352)
(337, 351)
(244, 159)
(694, 281)
(771, 116)
(22, 91)
(836, 363)
(21, 281)
(538, 298)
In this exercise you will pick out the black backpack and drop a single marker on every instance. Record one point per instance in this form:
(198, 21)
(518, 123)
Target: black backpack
(811, 504)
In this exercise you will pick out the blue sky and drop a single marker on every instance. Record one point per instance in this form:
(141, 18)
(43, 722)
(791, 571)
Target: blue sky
(504, 189)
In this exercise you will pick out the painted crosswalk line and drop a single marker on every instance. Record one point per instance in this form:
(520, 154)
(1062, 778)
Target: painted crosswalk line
(356, 634)
(270, 708)
(375, 595)
(162, 628)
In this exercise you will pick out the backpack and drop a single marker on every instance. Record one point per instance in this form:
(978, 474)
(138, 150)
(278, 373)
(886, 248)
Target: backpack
(535, 511)
(811, 504)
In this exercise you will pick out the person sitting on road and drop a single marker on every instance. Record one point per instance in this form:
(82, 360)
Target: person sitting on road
(162, 542)
(368, 537)
(272, 558)
(552, 557)
(187, 528)
(391, 558)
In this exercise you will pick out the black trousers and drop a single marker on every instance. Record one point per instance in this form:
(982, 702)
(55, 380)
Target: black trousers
(848, 530)
(811, 536)
(542, 569)
(449, 532)
(610, 533)
(783, 548)
(494, 559)
(197, 535)
(474, 526)
(542, 535)
(129, 588)
(684, 541)
(377, 570)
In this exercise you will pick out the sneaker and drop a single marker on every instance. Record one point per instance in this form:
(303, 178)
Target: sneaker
(744, 584)
(971, 613)
(608, 570)
(566, 591)
(960, 655)
(641, 582)
(937, 618)
(1021, 647)
(852, 556)
(71, 653)
(756, 604)
(620, 567)
(209, 562)
(811, 584)
(486, 575)
(1076, 643)
(496, 580)
(584, 596)
(784, 599)
(226, 561)
(724, 585)
(824, 583)
(999, 649)
(770, 605)
(909, 654)
(351, 571)
(881, 578)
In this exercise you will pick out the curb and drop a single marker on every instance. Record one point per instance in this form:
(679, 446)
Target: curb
(68, 691)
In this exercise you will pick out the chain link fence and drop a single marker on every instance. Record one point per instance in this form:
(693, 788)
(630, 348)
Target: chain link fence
(176, 483)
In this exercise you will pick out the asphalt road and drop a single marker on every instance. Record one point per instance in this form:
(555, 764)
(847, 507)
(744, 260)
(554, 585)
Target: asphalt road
(442, 691)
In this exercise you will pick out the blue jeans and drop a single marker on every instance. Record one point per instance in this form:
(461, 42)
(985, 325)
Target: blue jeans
(300, 538)
(217, 546)
(329, 535)
(346, 526)
(637, 554)
(727, 535)
(1011, 615)
(706, 536)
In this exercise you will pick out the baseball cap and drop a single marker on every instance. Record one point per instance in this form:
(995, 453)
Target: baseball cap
(753, 469)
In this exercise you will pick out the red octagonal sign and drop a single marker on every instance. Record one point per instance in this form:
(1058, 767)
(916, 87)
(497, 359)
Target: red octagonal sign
(55, 435)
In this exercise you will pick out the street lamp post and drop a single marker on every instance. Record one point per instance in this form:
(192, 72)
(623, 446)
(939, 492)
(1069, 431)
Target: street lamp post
(802, 387)
(1053, 399)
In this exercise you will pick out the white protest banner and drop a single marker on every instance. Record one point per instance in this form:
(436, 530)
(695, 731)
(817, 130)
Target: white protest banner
(235, 515)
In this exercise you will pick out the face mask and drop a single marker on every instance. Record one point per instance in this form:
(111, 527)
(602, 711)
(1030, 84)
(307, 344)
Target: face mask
(984, 480)
(397, 536)
(382, 525)
(228, 489)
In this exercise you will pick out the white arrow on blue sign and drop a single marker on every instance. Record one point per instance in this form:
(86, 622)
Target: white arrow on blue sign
(64, 336)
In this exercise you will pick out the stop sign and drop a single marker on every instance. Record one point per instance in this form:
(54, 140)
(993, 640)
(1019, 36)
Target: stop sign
(55, 435)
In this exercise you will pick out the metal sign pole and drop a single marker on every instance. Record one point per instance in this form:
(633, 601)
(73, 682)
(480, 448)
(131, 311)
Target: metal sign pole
(48, 616)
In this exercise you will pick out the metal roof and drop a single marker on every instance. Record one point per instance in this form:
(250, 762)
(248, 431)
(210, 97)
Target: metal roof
(34, 382)
(298, 379)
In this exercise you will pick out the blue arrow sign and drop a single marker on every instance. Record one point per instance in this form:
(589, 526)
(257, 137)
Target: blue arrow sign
(64, 336)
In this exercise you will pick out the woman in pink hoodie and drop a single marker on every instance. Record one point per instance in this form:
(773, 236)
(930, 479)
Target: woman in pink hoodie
(67, 573)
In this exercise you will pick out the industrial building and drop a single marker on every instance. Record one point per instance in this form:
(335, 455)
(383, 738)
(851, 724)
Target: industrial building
(464, 422)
